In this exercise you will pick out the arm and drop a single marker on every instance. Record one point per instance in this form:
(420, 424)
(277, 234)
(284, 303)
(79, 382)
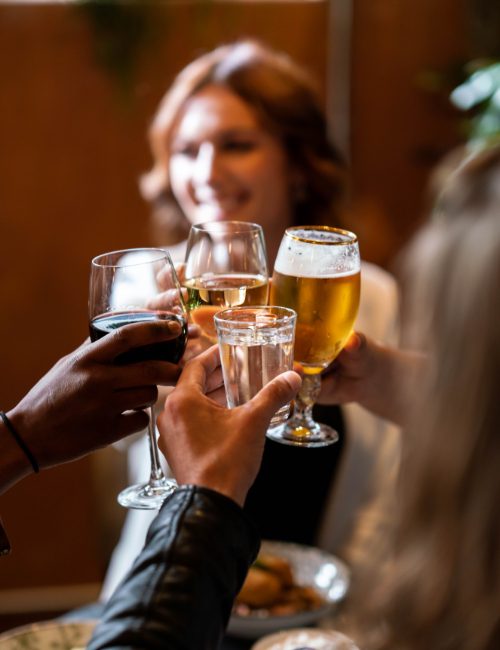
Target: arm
(380, 378)
(85, 402)
(180, 591)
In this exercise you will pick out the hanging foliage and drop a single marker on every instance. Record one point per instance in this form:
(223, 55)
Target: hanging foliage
(119, 31)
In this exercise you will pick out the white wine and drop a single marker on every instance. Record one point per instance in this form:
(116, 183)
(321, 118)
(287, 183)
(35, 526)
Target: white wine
(210, 293)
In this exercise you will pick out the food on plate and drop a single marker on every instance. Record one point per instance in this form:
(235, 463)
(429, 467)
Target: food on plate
(260, 589)
(270, 589)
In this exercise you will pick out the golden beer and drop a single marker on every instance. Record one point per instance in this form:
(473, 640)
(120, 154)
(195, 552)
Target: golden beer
(316, 273)
(209, 294)
(326, 309)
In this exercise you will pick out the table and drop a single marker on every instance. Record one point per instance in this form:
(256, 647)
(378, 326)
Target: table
(93, 612)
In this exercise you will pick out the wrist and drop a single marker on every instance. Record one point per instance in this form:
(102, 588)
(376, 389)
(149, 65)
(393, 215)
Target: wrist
(21, 430)
(14, 463)
(381, 386)
(221, 484)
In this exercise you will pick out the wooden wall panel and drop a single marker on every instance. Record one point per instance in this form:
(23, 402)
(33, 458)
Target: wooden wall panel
(399, 130)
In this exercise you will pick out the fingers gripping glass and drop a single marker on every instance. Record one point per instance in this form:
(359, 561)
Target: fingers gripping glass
(317, 273)
(124, 289)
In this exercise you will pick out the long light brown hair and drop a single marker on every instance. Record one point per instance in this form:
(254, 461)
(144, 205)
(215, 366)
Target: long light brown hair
(286, 103)
(439, 588)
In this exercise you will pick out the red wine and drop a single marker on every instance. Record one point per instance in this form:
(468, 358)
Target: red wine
(165, 351)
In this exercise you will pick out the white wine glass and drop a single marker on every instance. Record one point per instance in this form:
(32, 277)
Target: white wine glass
(316, 273)
(225, 266)
(124, 285)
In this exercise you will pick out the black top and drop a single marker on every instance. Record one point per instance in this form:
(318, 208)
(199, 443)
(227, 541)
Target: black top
(289, 494)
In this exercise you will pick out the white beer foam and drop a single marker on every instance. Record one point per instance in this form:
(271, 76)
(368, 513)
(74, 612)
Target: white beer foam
(300, 259)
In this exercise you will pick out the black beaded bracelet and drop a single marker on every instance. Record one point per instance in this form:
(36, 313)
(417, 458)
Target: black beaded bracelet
(4, 541)
(20, 442)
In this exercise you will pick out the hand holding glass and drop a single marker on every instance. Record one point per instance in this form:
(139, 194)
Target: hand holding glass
(123, 288)
(316, 273)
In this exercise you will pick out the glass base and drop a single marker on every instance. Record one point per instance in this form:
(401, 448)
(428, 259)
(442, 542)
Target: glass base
(145, 496)
(292, 433)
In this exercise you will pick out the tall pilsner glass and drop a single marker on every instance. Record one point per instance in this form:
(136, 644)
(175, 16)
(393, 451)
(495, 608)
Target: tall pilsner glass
(123, 287)
(225, 266)
(317, 273)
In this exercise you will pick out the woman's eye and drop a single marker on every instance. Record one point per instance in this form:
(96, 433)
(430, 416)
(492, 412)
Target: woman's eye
(238, 145)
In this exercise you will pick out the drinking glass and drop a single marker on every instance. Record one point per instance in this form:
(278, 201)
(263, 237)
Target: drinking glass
(225, 266)
(256, 345)
(123, 284)
(317, 273)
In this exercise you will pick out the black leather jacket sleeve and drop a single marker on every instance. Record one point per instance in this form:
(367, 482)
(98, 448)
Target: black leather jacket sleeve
(179, 593)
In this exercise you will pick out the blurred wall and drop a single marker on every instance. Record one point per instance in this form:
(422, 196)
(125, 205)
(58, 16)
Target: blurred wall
(72, 146)
(401, 124)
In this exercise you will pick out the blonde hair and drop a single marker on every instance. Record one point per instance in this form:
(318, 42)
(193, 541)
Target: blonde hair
(440, 586)
(287, 105)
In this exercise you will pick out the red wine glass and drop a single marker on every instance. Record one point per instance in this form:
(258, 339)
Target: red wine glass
(124, 286)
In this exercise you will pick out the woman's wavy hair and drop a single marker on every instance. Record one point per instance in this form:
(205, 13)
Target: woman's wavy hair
(287, 105)
(440, 588)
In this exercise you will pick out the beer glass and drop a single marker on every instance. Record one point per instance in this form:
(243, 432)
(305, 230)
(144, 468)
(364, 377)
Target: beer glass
(225, 266)
(317, 274)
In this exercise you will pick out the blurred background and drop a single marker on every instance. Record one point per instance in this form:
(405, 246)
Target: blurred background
(80, 82)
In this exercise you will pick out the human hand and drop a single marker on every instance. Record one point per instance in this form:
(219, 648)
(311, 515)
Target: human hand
(378, 377)
(86, 401)
(196, 343)
(344, 380)
(213, 446)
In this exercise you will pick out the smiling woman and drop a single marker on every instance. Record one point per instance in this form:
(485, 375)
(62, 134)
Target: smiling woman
(225, 166)
(241, 135)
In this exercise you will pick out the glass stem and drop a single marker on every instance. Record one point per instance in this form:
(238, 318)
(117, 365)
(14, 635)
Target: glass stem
(305, 400)
(157, 476)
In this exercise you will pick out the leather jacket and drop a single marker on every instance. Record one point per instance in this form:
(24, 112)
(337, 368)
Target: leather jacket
(180, 590)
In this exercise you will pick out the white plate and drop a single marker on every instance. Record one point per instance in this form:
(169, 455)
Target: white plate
(48, 635)
(306, 637)
(311, 567)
